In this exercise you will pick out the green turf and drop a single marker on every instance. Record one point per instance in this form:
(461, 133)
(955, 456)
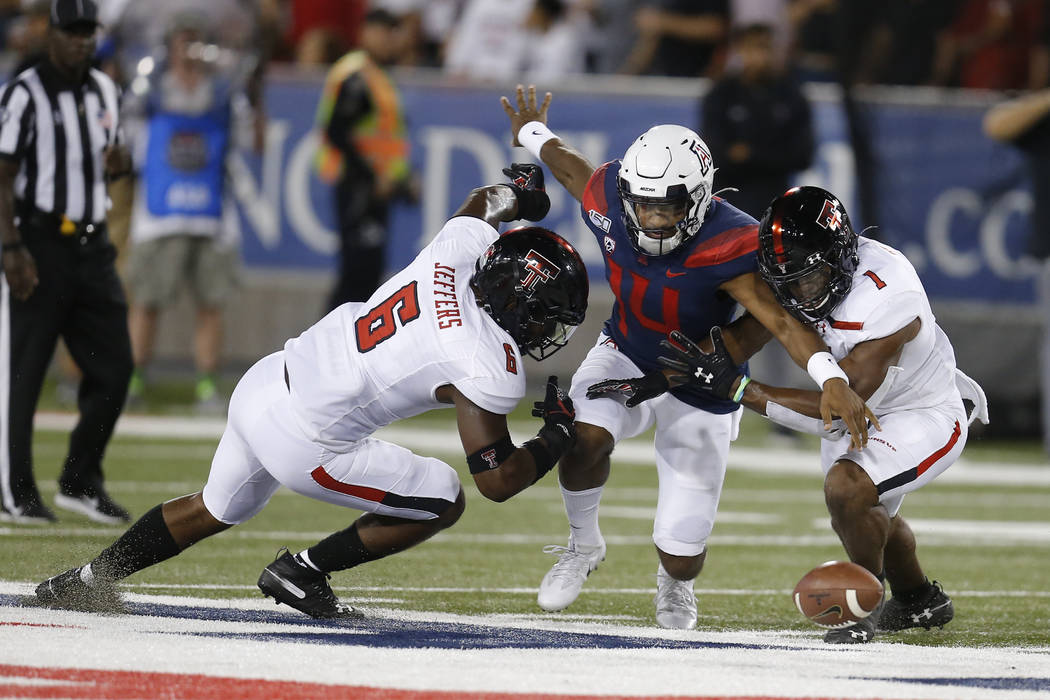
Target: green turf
(145, 472)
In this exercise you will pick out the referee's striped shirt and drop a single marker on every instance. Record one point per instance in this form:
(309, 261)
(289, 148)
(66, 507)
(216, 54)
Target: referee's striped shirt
(58, 132)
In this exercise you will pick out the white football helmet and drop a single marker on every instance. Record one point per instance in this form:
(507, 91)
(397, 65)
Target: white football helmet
(665, 184)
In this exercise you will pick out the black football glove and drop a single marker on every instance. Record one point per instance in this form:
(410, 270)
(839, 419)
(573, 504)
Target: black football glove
(526, 179)
(635, 390)
(558, 414)
(713, 372)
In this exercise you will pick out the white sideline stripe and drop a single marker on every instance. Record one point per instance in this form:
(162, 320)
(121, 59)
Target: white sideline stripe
(635, 450)
(646, 513)
(1032, 534)
(1017, 531)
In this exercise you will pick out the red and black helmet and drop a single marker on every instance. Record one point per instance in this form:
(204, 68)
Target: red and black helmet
(807, 251)
(534, 285)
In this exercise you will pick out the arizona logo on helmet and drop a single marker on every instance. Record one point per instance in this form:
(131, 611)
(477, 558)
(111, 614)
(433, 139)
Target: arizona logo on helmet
(829, 216)
(701, 155)
(540, 270)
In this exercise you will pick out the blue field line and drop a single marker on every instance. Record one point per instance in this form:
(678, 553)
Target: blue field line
(989, 682)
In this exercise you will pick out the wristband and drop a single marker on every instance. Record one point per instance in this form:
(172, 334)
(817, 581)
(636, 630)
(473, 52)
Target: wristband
(744, 381)
(13, 245)
(822, 367)
(533, 135)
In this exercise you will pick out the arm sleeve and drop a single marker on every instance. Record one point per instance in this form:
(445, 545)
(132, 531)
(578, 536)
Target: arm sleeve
(15, 126)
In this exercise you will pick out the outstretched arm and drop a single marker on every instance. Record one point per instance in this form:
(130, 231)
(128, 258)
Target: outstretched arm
(808, 351)
(866, 366)
(567, 165)
(500, 468)
(1009, 120)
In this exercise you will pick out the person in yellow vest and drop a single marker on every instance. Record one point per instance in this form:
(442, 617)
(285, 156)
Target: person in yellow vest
(364, 154)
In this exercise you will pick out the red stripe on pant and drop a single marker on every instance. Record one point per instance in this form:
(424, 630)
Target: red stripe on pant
(326, 480)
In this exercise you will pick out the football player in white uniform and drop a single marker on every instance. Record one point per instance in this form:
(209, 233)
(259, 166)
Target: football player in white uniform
(448, 330)
(867, 302)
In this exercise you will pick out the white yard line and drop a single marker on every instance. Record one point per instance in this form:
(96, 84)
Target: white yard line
(634, 451)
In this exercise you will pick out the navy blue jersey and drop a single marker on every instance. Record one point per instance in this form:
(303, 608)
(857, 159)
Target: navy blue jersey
(655, 295)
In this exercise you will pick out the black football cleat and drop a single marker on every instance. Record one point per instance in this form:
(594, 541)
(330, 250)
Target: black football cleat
(860, 632)
(69, 592)
(297, 585)
(933, 609)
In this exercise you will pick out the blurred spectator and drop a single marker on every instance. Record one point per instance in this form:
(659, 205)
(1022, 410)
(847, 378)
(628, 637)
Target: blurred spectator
(187, 122)
(553, 47)
(364, 152)
(27, 34)
(990, 45)
(759, 127)
(1025, 123)
(902, 41)
(611, 29)
(771, 12)
(814, 48)
(489, 42)
(426, 25)
(679, 37)
(758, 124)
(319, 28)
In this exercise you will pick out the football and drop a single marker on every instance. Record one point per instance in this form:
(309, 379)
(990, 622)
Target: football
(837, 594)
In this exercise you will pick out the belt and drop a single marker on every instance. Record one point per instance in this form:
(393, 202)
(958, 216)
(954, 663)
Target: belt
(61, 225)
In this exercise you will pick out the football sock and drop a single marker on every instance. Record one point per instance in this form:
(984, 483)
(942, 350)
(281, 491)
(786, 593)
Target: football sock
(341, 550)
(912, 595)
(303, 558)
(147, 542)
(582, 509)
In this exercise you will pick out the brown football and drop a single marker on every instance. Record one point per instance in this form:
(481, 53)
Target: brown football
(837, 594)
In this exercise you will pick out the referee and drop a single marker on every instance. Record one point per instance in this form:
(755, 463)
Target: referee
(59, 141)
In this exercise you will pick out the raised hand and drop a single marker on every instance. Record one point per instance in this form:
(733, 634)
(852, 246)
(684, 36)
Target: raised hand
(714, 372)
(526, 112)
(635, 390)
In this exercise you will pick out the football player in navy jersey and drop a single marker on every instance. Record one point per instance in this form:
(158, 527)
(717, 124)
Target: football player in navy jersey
(676, 258)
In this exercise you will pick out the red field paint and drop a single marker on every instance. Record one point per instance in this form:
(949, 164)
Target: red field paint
(30, 682)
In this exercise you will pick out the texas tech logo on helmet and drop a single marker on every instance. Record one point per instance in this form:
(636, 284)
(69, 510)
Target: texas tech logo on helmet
(540, 269)
(829, 216)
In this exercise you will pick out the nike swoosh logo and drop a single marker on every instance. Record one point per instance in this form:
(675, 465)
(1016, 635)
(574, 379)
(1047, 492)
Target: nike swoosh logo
(675, 274)
(536, 133)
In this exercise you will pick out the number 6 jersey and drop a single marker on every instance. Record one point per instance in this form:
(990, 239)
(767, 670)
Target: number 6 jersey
(367, 365)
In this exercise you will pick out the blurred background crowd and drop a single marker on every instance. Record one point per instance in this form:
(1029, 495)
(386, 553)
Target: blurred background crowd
(298, 92)
(993, 44)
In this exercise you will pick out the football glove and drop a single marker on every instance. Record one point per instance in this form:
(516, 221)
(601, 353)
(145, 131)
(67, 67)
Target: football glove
(558, 414)
(526, 179)
(635, 390)
(713, 372)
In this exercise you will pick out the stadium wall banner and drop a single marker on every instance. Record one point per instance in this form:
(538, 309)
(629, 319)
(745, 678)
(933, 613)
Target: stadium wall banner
(956, 203)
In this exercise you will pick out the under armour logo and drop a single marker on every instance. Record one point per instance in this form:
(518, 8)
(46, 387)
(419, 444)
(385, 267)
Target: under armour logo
(859, 634)
(918, 617)
(708, 377)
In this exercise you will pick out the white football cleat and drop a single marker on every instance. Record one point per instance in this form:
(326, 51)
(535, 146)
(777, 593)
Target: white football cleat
(563, 582)
(675, 602)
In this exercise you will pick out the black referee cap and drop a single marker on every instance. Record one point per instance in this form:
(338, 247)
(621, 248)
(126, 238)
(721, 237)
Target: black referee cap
(66, 13)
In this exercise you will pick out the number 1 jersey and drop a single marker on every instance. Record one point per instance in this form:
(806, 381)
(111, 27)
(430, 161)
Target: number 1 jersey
(364, 366)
